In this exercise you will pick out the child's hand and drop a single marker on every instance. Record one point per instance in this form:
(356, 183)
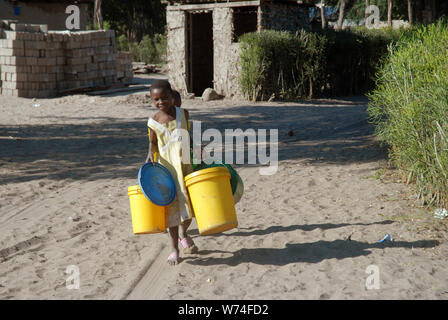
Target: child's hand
(149, 158)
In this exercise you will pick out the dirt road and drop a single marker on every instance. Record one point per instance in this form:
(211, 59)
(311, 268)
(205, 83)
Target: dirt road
(310, 231)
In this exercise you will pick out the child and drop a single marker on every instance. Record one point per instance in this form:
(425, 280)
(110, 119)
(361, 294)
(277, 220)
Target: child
(177, 99)
(164, 141)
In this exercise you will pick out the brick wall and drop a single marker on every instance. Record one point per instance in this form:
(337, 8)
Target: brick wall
(43, 64)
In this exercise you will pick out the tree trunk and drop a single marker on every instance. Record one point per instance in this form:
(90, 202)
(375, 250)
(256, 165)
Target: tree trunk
(341, 14)
(322, 16)
(389, 13)
(410, 17)
(97, 16)
(367, 5)
(418, 11)
(433, 11)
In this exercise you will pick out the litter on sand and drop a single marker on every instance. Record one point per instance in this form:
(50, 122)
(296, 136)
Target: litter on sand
(440, 213)
(387, 237)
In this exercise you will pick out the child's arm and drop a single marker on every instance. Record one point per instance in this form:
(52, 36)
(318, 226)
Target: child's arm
(152, 147)
(197, 150)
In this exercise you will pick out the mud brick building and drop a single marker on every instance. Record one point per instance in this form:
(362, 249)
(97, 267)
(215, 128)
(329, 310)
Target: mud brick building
(39, 63)
(203, 49)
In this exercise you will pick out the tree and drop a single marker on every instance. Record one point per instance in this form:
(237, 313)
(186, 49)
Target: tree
(389, 13)
(323, 19)
(410, 18)
(97, 16)
(135, 18)
(341, 14)
(344, 5)
(366, 15)
(358, 10)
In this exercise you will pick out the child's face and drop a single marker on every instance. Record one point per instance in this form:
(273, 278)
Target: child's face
(162, 99)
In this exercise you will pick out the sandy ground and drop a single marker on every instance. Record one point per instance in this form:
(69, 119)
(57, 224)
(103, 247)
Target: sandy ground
(65, 166)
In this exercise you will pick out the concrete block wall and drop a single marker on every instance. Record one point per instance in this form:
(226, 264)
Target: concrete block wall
(43, 64)
(124, 66)
(176, 49)
(226, 54)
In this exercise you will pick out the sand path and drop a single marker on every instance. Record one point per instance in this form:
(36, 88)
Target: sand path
(66, 165)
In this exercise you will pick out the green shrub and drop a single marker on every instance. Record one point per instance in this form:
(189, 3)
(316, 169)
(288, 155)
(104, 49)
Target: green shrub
(280, 63)
(96, 26)
(330, 63)
(122, 43)
(149, 50)
(353, 58)
(410, 109)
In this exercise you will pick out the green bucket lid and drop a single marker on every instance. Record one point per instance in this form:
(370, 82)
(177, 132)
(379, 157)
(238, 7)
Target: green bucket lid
(235, 180)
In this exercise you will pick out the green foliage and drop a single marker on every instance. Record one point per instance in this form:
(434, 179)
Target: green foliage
(399, 10)
(309, 64)
(278, 63)
(353, 58)
(149, 50)
(122, 43)
(135, 18)
(106, 26)
(410, 109)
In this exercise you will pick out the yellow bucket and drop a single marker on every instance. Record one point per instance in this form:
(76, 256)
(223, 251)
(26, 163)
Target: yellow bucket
(212, 200)
(147, 217)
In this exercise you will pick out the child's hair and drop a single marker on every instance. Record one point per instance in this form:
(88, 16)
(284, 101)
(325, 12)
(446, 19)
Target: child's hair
(161, 84)
(177, 98)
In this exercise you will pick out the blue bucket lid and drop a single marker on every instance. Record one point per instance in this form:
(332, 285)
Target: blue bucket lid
(157, 183)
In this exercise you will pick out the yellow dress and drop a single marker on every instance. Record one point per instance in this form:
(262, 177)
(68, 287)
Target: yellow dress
(169, 141)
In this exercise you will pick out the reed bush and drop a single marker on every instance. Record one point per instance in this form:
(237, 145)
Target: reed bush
(410, 109)
(311, 64)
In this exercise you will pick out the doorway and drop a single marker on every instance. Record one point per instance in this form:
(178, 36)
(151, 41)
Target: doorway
(199, 54)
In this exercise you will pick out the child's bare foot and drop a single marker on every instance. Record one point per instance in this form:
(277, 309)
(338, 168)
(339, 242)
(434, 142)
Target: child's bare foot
(174, 258)
(188, 245)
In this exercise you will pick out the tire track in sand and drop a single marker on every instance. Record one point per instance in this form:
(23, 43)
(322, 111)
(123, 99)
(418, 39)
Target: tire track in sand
(152, 282)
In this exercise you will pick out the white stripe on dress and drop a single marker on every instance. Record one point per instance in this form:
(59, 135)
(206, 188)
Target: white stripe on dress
(159, 126)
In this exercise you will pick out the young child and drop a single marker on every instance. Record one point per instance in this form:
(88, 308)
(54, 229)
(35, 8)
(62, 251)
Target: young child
(177, 99)
(164, 141)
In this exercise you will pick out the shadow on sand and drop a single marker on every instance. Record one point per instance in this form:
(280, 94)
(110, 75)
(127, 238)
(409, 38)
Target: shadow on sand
(326, 132)
(274, 229)
(312, 252)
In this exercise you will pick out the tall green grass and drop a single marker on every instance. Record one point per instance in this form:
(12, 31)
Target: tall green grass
(311, 64)
(280, 63)
(410, 109)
